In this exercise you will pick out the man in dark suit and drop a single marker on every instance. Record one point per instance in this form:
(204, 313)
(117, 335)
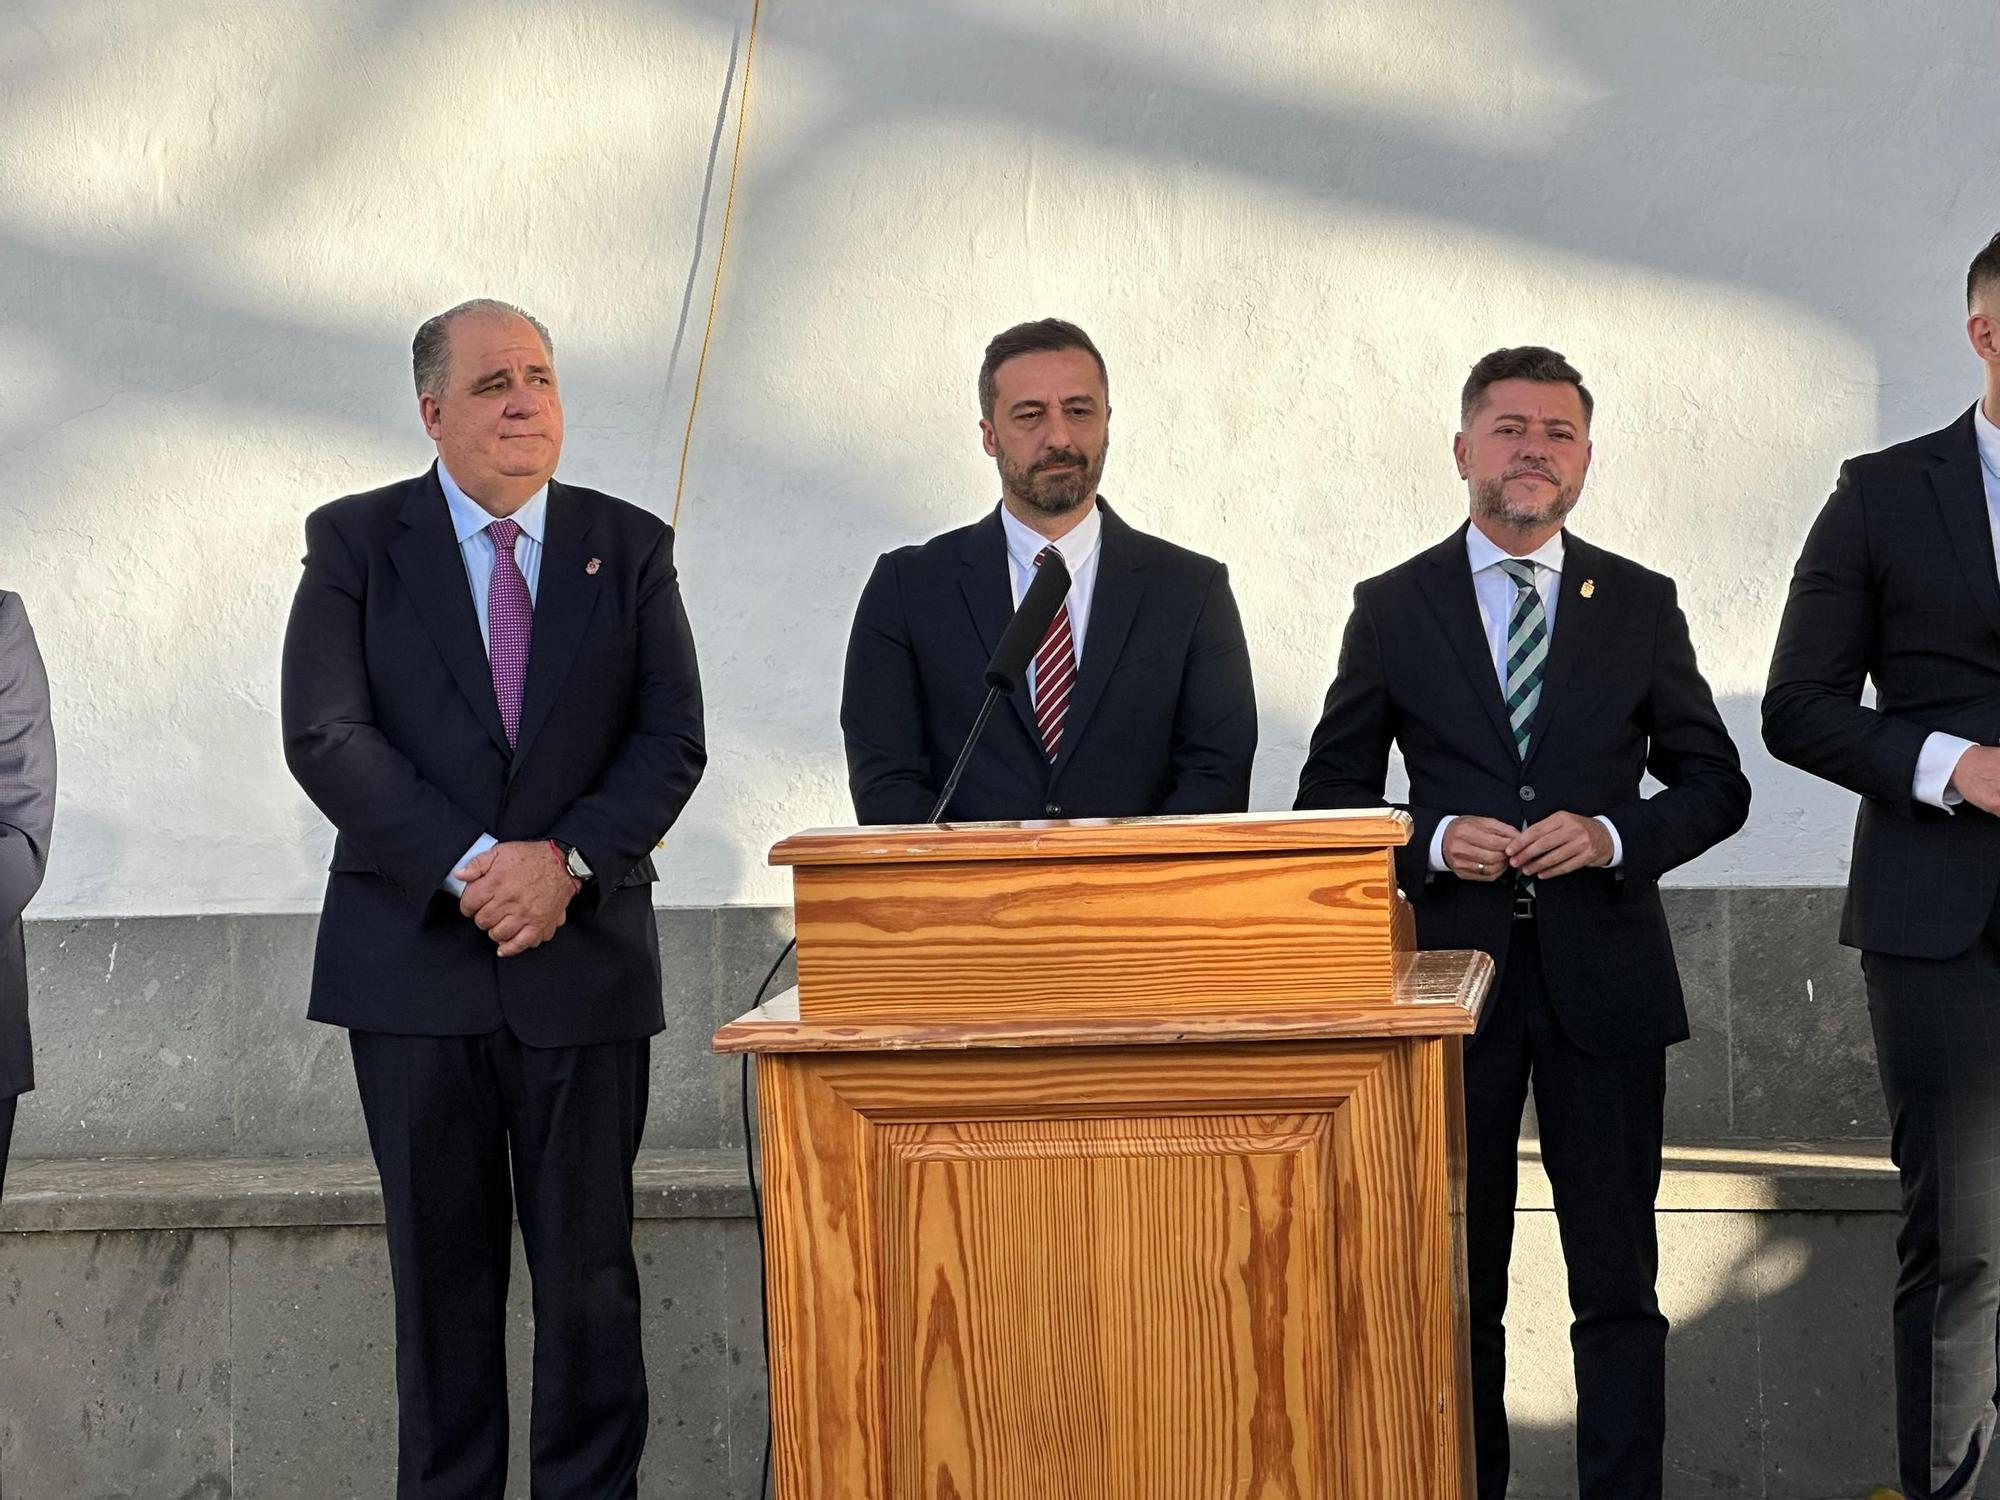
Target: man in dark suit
(1531, 680)
(490, 691)
(1897, 583)
(27, 813)
(1139, 698)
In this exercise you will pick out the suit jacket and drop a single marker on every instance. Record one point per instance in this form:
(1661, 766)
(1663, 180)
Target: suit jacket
(1621, 696)
(1896, 582)
(1163, 718)
(392, 728)
(27, 813)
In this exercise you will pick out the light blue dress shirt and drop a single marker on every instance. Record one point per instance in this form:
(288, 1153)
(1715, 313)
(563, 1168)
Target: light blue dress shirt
(1939, 758)
(475, 544)
(1495, 591)
(475, 549)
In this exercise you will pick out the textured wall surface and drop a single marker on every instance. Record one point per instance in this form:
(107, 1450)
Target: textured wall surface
(1291, 226)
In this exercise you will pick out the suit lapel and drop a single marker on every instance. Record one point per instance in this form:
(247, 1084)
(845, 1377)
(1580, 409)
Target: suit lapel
(987, 582)
(1575, 619)
(1452, 599)
(427, 558)
(1960, 483)
(1114, 604)
(565, 596)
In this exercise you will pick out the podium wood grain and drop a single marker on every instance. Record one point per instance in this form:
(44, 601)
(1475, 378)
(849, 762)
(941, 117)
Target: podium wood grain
(1103, 919)
(1116, 1160)
(1433, 994)
(1201, 1271)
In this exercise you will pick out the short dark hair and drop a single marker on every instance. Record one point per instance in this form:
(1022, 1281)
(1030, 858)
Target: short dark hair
(1043, 336)
(1984, 270)
(430, 351)
(1528, 362)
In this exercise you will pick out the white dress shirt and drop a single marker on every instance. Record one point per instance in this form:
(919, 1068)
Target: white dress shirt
(1939, 757)
(475, 549)
(1079, 547)
(1495, 591)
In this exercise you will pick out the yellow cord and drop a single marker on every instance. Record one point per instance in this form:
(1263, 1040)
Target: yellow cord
(721, 249)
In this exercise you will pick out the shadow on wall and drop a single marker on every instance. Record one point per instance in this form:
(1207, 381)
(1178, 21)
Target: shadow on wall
(1630, 174)
(1665, 139)
(1779, 1376)
(1670, 156)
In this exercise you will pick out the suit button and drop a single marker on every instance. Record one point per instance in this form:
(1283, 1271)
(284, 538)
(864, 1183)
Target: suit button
(1053, 809)
(1527, 794)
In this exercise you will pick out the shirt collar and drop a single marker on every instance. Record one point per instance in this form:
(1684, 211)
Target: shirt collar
(1077, 545)
(1482, 553)
(469, 518)
(1989, 439)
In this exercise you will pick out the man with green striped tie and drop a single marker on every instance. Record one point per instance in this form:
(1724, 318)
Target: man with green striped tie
(1531, 681)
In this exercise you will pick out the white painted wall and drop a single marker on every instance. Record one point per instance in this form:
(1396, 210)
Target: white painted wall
(1291, 224)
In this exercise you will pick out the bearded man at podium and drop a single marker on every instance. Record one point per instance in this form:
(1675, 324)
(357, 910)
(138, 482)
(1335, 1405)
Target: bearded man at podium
(1531, 680)
(1139, 698)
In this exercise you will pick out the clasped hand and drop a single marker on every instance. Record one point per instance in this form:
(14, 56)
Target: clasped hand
(518, 893)
(1976, 778)
(1484, 849)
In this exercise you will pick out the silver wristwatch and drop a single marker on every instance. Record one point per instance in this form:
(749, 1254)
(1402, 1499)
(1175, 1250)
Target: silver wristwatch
(573, 861)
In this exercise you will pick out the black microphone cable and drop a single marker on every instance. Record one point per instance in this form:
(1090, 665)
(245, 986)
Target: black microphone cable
(757, 1221)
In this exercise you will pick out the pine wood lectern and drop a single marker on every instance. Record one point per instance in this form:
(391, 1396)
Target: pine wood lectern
(1114, 1161)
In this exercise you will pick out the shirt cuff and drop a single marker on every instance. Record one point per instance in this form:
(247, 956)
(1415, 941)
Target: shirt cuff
(1438, 866)
(480, 845)
(1935, 763)
(1617, 844)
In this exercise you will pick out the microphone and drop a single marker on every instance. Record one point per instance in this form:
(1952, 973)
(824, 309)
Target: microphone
(1009, 667)
(1023, 635)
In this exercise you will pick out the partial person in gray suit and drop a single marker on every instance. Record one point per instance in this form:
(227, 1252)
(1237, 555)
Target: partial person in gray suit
(27, 811)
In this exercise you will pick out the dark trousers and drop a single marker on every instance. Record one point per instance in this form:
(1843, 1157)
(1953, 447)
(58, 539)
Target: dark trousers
(1601, 1122)
(465, 1129)
(7, 1107)
(1937, 1043)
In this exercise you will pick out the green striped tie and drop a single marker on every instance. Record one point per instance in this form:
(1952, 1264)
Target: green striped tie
(1527, 652)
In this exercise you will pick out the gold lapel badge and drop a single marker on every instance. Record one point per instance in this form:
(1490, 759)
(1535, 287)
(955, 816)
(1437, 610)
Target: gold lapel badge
(1589, 587)
(594, 564)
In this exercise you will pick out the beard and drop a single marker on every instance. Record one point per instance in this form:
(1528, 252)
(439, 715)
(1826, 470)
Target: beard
(1055, 492)
(1490, 502)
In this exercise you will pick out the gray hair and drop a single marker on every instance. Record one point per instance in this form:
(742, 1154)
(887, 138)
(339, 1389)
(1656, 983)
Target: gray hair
(430, 351)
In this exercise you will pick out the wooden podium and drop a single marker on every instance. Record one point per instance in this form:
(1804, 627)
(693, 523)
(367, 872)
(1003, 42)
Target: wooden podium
(1114, 1160)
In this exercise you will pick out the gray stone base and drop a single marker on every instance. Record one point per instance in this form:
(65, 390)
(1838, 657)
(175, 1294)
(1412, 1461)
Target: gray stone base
(216, 1322)
(205, 1363)
(244, 1348)
(187, 1035)
(1776, 1270)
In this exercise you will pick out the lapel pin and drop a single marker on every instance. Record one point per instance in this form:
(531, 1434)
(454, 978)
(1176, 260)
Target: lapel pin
(1589, 587)
(594, 564)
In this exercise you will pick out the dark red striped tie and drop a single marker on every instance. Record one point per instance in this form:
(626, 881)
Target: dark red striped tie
(1055, 674)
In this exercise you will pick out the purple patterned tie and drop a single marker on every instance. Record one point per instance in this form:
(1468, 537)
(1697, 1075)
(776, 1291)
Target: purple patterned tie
(510, 620)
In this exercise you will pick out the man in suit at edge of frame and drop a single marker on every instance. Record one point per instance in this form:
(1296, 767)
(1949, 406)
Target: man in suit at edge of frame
(490, 692)
(1896, 582)
(1138, 700)
(1531, 681)
(27, 818)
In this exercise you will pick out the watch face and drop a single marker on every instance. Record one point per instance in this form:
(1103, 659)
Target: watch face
(577, 867)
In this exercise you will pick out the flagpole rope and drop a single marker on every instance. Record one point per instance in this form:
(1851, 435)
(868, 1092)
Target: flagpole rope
(721, 250)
